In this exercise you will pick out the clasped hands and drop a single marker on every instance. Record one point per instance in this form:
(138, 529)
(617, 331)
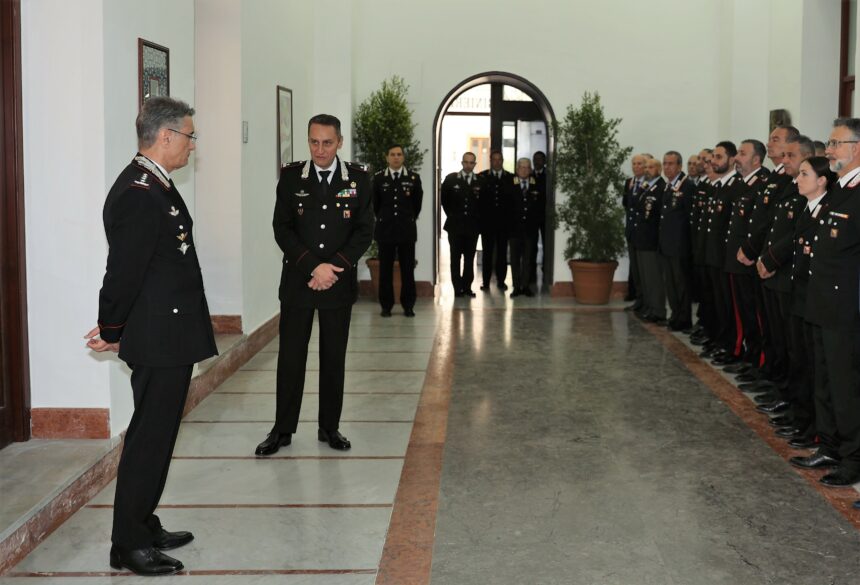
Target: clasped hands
(759, 265)
(99, 344)
(324, 276)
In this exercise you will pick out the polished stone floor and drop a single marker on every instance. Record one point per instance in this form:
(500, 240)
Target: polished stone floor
(577, 449)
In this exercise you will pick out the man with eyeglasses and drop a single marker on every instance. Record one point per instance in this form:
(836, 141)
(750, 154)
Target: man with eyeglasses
(323, 223)
(833, 293)
(461, 193)
(153, 312)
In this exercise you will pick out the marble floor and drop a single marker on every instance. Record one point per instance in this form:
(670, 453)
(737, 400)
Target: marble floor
(531, 441)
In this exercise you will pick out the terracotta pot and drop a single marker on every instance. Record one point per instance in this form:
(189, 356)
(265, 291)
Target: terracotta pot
(373, 265)
(592, 281)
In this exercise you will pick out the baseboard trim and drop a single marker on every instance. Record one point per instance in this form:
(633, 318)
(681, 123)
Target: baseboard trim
(70, 423)
(226, 324)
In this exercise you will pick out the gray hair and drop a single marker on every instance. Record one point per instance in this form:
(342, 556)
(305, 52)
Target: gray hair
(525, 160)
(852, 124)
(807, 148)
(158, 113)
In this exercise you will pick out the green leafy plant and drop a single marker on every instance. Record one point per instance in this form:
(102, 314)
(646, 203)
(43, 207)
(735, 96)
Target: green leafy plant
(383, 119)
(588, 165)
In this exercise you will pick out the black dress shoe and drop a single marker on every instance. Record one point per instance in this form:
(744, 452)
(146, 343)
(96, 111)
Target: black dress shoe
(699, 340)
(485, 287)
(273, 442)
(773, 407)
(503, 287)
(334, 439)
(459, 293)
(634, 307)
(726, 360)
(468, 293)
(170, 540)
(766, 398)
(385, 313)
(740, 368)
(815, 461)
(802, 442)
(782, 420)
(528, 292)
(842, 477)
(147, 562)
(757, 386)
(409, 312)
(788, 432)
(516, 293)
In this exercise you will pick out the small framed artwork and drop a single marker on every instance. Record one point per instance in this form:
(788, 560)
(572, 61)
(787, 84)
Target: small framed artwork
(153, 66)
(779, 118)
(285, 127)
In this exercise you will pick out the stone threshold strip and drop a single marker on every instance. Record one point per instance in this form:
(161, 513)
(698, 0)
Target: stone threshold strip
(206, 573)
(83, 488)
(737, 401)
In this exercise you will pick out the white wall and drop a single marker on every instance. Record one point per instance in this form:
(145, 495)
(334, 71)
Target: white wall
(217, 169)
(64, 186)
(277, 44)
(819, 84)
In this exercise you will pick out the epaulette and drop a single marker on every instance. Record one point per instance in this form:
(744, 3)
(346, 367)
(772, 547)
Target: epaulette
(294, 164)
(379, 173)
(354, 166)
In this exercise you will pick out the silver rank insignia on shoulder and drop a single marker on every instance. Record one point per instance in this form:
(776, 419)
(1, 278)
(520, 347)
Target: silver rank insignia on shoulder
(173, 211)
(142, 181)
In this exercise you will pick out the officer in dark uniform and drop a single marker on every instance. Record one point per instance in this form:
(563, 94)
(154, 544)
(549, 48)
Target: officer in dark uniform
(645, 240)
(153, 311)
(703, 329)
(742, 276)
(725, 191)
(675, 242)
(632, 189)
(832, 307)
(539, 173)
(323, 223)
(461, 194)
(774, 267)
(495, 208)
(525, 216)
(397, 195)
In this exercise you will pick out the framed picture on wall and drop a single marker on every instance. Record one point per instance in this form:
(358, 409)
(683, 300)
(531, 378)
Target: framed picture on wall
(153, 66)
(285, 127)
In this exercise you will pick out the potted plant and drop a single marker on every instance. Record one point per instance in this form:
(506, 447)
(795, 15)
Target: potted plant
(381, 120)
(588, 166)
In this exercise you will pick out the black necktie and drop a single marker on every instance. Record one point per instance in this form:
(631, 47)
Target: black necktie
(324, 181)
(524, 186)
(396, 175)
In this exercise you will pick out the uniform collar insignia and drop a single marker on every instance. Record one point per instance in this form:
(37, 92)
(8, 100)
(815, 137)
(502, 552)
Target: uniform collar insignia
(344, 172)
(306, 170)
(153, 169)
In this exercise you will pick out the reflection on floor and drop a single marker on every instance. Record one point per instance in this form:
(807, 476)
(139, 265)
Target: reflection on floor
(578, 449)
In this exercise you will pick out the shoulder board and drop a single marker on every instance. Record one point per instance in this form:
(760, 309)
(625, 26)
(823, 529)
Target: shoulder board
(484, 173)
(379, 173)
(732, 180)
(293, 165)
(150, 171)
(854, 182)
(354, 166)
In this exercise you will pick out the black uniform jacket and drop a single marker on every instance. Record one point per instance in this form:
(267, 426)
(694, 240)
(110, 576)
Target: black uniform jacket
(778, 252)
(495, 206)
(646, 216)
(739, 221)
(698, 220)
(315, 224)
(761, 215)
(835, 269)
(804, 243)
(461, 202)
(717, 216)
(627, 200)
(675, 238)
(396, 204)
(526, 212)
(152, 298)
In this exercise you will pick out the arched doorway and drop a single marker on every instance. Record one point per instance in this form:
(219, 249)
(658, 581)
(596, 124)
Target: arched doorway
(505, 117)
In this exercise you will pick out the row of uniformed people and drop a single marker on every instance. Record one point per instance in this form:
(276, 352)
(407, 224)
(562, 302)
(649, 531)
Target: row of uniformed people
(504, 209)
(775, 267)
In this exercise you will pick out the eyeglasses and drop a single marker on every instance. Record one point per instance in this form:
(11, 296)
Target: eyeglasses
(192, 137)
(835, 143)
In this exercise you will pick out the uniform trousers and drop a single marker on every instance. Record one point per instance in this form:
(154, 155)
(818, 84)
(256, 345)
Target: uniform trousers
(405, 253)
(634, 286)
(801, 375)
(295, 333)
(540, 235)
(653, 291)
(764, 331)
(705, 312)
(724, 318)
(159, 398)
(778, 310)
(494, 256)
(462, 250)
(743, 301)
(837, 393)
(522, 258)
(677, 275)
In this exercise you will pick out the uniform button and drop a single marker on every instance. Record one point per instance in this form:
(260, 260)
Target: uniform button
(322, 226)
(821, 222)
(325, 206)
(810, 272)
(835, 287)
(322, 245)
(816, 238)
(812, 254)
(175, 310)
(395, 213)
(182, 227)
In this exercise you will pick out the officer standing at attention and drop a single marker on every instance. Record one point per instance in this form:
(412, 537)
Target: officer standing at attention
(675, 241)
(323, 223)
(397, 197)
(461, 193)
(540, 175)
(153, 311)
(525, 217)
(494, 216)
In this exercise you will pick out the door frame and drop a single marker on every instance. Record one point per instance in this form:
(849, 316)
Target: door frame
(14, 355)
(540, 101)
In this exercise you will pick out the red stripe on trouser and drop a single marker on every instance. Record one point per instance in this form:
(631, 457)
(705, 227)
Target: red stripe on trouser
(761, 332)
(739, 327)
